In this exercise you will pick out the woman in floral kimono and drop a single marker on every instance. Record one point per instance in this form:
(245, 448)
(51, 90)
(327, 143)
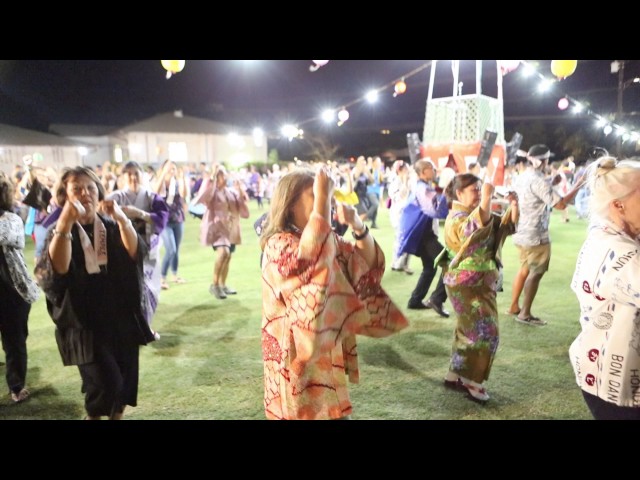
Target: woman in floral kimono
(473, 238)
(318, 292)
(149, 213)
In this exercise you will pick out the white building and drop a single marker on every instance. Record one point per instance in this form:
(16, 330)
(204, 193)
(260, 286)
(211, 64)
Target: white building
(189, 139)
(19, 146)
(167, 136)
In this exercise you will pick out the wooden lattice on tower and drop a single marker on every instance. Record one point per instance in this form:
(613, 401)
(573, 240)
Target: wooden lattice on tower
(456, 124)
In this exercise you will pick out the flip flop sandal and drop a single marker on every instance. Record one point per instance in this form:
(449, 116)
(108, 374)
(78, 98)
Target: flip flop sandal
(531, 320)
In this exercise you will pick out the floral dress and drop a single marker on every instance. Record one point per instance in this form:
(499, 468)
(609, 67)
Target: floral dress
(471, 280)
(318, 293)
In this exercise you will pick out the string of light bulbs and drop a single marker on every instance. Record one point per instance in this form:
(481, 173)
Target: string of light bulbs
(342, 113)
(578, 107)
(400, 87)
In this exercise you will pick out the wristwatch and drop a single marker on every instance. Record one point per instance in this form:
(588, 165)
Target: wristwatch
(362, 235)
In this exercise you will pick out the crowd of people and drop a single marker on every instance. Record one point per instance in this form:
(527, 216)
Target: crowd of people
(99, 233)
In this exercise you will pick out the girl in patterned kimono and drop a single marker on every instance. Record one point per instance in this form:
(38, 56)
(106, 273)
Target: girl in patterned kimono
(473, 240)
(149, 213)
(318, 292)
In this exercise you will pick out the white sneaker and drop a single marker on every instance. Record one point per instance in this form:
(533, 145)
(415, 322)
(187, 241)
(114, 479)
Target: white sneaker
(217, 291)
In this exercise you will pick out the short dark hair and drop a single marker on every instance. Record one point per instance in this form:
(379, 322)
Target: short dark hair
(459, 182)
(131, 166)
(68, 174)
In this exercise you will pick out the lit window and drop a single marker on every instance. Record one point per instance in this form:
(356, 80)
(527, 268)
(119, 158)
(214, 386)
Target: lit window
(178, 152)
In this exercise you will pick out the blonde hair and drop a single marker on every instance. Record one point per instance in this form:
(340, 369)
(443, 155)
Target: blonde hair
(609, 180)
(286, 194)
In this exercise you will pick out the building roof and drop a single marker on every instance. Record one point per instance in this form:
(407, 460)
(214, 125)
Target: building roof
(72, 130)
(10, 135)
(175, 122)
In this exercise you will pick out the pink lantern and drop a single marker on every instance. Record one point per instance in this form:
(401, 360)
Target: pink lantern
(563, 103)
(507, 66)
(317, 64)
(343, 116)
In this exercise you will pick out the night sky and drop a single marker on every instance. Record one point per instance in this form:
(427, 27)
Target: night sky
(267, 93)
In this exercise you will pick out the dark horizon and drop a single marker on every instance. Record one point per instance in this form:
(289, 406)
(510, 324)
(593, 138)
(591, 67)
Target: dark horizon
(37, 93)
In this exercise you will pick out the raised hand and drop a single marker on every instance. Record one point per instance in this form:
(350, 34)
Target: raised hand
(487, 191)
(113, 210)
(348, 215)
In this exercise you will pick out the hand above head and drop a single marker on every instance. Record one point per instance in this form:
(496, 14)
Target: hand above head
(323, 184)
(323, 192)
(487, 191)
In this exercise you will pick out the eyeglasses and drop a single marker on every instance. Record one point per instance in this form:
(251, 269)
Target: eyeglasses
(78, 189)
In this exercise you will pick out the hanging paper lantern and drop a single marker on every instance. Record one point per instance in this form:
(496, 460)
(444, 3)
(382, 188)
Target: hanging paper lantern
(563, 68)
(399, 88)
(172, 66)
(563, 103)
(317, 64)
(343, 116)
(507, 66)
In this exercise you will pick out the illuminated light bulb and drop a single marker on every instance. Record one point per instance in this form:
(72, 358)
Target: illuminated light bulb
(372, 96)
(328, 115)
(563, 103)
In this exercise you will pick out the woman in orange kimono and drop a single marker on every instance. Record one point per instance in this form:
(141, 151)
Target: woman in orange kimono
(318, 292)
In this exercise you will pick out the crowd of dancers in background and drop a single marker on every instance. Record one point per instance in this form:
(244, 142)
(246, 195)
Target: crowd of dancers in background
(99, 232)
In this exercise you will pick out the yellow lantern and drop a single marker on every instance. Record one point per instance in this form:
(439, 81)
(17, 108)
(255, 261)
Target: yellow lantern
(563, 68)
(172, 66)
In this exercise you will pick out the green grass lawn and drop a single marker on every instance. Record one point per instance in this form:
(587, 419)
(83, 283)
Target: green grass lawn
(208, 364)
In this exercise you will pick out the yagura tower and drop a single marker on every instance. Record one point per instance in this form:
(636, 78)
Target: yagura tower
(456, 124)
